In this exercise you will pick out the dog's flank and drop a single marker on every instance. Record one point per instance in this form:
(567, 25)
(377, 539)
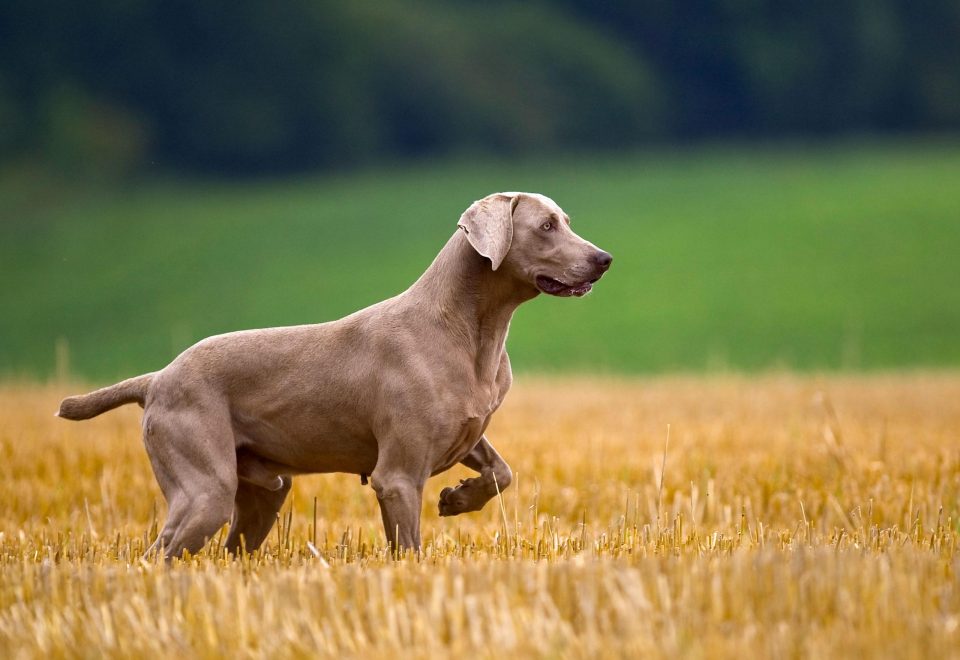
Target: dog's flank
(399, 391)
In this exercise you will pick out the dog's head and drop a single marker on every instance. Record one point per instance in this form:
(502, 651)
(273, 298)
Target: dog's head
(528, 236)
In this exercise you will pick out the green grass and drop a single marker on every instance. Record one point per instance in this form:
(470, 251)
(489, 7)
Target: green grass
(832, 257)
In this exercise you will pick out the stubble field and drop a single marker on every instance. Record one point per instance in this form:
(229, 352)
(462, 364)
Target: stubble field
(790, 516)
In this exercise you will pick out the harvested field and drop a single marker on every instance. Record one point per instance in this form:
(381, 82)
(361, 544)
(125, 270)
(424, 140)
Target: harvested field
(796, 516)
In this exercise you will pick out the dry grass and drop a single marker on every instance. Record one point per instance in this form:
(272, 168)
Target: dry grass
(799, 516)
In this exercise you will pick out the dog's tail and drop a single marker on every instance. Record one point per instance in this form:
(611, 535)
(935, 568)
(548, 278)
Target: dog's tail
(85, 406)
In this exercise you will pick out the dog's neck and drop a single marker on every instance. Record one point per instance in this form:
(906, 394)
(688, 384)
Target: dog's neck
(472, 301)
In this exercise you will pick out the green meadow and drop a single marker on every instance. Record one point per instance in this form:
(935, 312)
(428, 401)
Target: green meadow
(834, 257)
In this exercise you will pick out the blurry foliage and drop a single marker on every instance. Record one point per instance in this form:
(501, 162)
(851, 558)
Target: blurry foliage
(252, 87)
(86, 134)
(773, 66)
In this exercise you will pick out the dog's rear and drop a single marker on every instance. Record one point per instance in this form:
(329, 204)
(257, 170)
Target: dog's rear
(85, 406)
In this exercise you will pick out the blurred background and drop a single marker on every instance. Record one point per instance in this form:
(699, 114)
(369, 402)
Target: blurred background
(779, 182)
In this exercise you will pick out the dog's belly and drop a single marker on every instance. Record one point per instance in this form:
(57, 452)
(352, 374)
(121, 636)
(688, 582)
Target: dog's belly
(324, 447)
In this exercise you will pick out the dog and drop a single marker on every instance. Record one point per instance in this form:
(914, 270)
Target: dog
(399, 391)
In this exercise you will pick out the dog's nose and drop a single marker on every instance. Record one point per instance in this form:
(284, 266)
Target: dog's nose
(603, 259)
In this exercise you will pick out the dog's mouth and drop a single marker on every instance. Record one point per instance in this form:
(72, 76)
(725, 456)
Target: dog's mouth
(557, 288)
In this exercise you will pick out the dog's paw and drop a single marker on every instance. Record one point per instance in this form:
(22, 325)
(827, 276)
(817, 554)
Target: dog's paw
(468, 496)
(451, 502)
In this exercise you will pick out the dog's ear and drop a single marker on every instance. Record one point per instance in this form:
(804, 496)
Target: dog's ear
(488, 224)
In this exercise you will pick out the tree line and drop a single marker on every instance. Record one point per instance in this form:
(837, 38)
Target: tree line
(246, 86)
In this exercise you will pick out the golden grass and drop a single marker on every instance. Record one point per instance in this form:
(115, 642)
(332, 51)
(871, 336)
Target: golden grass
(799, 516)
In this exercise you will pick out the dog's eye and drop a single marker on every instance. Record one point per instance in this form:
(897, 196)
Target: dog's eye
(547, 226)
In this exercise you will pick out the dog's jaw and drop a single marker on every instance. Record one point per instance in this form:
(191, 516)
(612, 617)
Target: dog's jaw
(554, 287)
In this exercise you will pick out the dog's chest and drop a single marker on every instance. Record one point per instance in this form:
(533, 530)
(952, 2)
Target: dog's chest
(468, 423)
(479, 399)
(460, 443)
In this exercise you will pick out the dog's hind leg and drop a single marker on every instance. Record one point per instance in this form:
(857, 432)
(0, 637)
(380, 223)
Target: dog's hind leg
(255, 512)
(194, 459)
(472, 494)
(201, 522)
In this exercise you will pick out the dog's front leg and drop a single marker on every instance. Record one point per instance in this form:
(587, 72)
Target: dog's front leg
(400, 497)
(472, 494)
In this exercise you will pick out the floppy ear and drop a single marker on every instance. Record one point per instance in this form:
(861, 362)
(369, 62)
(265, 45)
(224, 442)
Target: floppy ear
(488, 224)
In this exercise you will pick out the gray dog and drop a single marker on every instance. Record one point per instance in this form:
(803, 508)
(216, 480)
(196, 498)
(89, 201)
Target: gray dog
(399, 391)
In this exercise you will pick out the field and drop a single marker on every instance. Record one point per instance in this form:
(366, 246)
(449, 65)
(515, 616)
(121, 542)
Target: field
(826, 257)
(768, 506)
(787, 516)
